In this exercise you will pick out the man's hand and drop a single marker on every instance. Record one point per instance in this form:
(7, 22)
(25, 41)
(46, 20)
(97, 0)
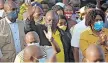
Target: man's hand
(48, 34)
(30, 12)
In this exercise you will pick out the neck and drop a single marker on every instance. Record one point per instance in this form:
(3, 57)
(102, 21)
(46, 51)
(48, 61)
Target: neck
(54, 30)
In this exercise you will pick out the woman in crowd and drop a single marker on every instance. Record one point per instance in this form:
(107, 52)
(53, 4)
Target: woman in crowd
(95, 33)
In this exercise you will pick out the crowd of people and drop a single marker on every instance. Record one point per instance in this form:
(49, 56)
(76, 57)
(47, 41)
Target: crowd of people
(39, 31)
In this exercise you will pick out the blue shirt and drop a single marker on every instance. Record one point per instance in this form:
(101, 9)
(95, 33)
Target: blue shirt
(15, 33)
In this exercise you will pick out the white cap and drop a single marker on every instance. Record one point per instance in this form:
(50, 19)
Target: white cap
(61, 4)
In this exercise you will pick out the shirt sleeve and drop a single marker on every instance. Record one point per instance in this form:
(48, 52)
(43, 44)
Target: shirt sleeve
(83, 46)
(75, 38)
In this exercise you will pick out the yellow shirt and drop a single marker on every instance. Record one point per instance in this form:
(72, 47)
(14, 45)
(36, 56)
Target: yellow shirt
(19, 58)
(60, 56)
(88, 37)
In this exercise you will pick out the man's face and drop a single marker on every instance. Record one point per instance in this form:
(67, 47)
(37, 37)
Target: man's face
(45, 8)
(52, 20)
(38, 14)
(12, 12)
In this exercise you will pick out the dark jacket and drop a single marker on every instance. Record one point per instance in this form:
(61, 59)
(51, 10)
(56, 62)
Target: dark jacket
(30, 26)
(65, 38)
(66, 41)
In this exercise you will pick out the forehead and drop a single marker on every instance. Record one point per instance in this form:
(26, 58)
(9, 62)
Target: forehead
(10, 5)
(51, 15)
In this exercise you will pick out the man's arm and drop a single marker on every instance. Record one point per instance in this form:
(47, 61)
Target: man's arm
(55, 46)
(76, 53)
(52, 59)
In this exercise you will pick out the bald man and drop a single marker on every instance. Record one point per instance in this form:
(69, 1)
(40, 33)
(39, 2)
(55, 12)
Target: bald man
(11, 33)
(1, 9)
(94, 53)
(32, 53)
(31, 38)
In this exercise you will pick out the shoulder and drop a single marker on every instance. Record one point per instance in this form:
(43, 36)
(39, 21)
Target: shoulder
(85, 33)
(105, 30)
(20, 22)
(20, 55)
(2, 21)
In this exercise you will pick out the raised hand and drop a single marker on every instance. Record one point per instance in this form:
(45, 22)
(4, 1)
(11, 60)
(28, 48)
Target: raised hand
(48, 34)
(30, 12)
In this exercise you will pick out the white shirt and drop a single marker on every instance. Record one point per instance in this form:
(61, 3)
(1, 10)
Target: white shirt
(1, 13)
(78, 28)
(15, 32)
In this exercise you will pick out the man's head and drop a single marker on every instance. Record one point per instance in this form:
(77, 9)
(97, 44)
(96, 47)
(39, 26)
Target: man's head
(38, 14)
(32, 53)
(11, 10)
(1, 4)
(94, 53)
(75, 4)
(45, 7)
(52, 19)
(32, 38)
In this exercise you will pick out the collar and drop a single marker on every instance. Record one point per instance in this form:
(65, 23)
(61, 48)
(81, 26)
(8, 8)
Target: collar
(56, 33)
(9, 22)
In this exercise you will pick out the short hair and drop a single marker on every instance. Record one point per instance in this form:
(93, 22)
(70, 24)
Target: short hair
(75, 3)
(91, 15)
(104, 6)
(57, 7)
(90, 5)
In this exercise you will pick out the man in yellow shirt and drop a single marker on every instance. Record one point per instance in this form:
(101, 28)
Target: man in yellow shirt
(95, 33)
(51, 21)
